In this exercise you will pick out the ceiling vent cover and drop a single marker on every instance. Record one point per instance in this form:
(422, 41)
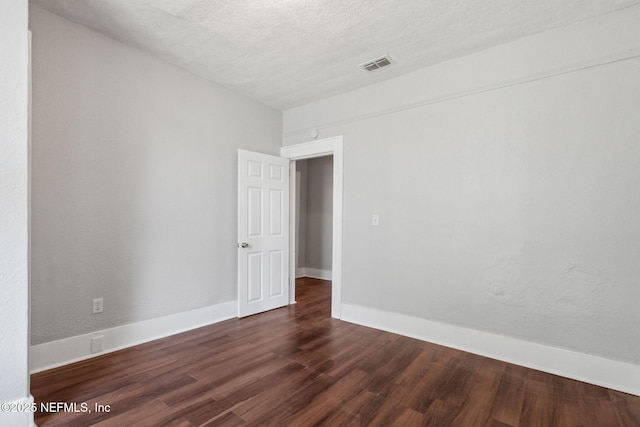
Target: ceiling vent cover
(377, 63)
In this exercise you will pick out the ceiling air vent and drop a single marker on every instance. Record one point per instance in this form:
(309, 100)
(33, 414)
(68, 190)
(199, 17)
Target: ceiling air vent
(383, 61)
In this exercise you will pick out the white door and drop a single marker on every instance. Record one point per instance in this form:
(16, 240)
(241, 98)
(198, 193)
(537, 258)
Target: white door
(263, 232)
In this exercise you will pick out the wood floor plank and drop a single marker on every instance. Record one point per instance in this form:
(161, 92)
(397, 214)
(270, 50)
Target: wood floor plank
(278, 395)
(538, 404)
(483, 387)
(298, 402)
(358, 410)
(408, 418)
(296, 366)
(440, 413)
(391, 407)
(327, 401)
(134, 417)
(229, 419)
(507, 404)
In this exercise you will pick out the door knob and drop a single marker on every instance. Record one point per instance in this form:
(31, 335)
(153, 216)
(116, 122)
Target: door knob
(244, 245)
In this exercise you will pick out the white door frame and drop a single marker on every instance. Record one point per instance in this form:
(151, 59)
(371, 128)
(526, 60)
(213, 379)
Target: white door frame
(308, 150)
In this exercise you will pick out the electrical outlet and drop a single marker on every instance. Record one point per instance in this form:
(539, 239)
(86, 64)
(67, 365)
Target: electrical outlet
(98, 305)
(375, 219)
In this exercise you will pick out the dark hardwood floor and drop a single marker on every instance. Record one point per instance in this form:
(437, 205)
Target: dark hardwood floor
(295, 366)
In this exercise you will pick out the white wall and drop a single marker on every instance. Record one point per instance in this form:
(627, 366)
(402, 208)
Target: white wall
(507, 188)
(134, 182)
(14, 319)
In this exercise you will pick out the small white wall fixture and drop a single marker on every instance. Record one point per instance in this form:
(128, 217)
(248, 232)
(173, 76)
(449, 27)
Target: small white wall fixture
(308, 150)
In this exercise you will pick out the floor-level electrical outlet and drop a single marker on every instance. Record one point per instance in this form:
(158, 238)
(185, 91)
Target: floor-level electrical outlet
(98, 305)
(97, 344)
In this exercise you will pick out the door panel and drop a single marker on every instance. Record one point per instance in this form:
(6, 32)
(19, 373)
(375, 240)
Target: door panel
(276, 259)
(254, 211)
(263, 232)
(276, 200)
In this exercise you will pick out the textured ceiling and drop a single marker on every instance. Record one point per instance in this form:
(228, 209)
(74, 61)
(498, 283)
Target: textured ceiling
(289, 52)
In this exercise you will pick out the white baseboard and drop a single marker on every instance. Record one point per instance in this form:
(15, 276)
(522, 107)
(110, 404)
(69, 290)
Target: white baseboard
(596, 370)
(73, 349)
(17, 415)
(314, 273)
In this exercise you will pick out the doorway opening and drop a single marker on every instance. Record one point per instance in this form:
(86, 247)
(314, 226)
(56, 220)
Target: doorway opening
(311, 150)
(313, 222)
